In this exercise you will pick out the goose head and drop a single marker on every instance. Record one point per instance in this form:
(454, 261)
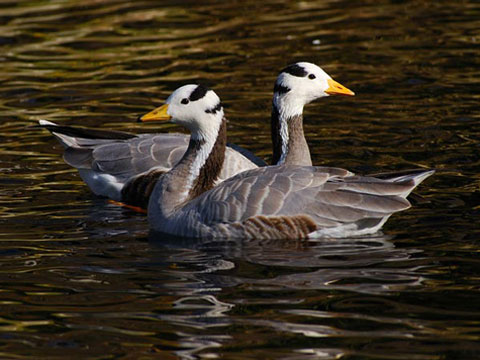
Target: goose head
(195, 107)
(301, 83)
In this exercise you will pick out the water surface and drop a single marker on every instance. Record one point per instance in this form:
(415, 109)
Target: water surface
(81, 278)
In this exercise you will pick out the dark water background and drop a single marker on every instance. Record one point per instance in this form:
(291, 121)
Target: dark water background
(80, 278)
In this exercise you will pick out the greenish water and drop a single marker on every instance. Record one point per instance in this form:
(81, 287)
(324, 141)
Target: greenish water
(80, 278)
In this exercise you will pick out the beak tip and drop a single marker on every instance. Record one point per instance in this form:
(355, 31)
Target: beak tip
(139, 118)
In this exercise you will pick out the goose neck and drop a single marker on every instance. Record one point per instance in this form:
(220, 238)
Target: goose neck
(288, 138)
(194, 174)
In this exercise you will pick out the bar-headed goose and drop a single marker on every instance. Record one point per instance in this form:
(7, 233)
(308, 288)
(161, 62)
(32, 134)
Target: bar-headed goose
(124, 166)
(286, 201)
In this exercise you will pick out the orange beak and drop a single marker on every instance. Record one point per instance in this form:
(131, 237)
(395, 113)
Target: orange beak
(159, 114)
(334, 88)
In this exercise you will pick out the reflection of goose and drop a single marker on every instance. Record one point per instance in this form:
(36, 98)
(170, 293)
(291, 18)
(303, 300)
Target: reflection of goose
(270, 202)
(124, 167)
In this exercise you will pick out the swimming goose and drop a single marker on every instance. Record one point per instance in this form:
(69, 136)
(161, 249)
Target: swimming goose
(124, 167)
(285, 201)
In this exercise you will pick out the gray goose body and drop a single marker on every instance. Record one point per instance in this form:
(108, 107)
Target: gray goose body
(273, 202)
(126, 169)
(290, 201)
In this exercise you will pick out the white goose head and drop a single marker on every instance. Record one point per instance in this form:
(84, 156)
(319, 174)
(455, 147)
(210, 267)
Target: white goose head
(195, 107)
(198, 109)
(301, 83)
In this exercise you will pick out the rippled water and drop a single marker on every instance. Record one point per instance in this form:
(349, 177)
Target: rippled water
(80, 277)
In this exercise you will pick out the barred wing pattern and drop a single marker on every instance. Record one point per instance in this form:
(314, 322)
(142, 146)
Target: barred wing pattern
(291, 202)
(127, 158)
(116, 163)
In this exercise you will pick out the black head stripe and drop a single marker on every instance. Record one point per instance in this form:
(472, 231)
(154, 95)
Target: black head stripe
(214, 109)
(295, 70)
(198, 93)
(280, 89)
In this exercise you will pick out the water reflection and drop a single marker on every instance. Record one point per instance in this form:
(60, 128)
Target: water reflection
(266, 272)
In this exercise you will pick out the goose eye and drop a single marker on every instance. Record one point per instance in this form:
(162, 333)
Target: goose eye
(311, 76)
(184, 101)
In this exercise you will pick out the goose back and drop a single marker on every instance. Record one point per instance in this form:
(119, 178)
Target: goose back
(291, 202)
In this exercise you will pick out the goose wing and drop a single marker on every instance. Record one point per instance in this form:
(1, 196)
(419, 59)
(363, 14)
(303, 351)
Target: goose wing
(328, 197)
(145, 153)
(128, 158)
(126, 155)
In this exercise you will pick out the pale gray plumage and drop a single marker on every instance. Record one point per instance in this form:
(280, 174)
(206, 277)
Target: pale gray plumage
(128, 158)
(338, 203)
(107, 165)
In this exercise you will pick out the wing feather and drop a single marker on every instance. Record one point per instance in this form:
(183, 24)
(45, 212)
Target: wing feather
(128, 157)
(329, 196)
